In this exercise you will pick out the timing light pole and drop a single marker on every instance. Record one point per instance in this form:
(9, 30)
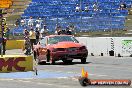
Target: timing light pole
(3, 5)
(2, 31)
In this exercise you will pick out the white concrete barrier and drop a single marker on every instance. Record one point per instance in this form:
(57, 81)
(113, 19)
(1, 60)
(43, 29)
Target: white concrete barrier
(98, 45)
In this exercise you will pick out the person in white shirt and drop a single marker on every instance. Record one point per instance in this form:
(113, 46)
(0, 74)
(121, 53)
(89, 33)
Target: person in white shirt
(44, 31)
(86, 8)
(95, 6)
(78, 8)
(30, 22)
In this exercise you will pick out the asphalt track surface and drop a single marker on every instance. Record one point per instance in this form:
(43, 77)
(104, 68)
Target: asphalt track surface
(66, 76)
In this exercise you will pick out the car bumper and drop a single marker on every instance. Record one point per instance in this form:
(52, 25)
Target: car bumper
(66, 55)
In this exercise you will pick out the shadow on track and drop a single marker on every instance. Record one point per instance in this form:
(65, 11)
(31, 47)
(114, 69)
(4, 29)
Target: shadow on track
(62, 63)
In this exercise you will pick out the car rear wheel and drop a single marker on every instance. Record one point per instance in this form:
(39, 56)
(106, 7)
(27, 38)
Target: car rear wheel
(49, 59)
(83, 60)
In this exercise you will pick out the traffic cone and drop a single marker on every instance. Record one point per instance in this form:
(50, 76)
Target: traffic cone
(83, 72)
(84, 80)
(86, 74)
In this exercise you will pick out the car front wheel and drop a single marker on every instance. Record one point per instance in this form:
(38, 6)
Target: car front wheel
(52, 62)
(83, 60)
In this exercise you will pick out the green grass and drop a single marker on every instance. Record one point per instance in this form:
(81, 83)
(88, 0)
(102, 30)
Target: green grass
(116, 33)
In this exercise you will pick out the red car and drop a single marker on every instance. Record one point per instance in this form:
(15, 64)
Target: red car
(59, 47)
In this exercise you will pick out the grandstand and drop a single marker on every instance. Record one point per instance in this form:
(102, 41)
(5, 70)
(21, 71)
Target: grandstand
(107, 17)
(14, 12)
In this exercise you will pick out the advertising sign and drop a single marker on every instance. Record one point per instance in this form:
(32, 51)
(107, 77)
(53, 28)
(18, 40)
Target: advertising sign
(5, 3)
(127, 46)
(16, 64)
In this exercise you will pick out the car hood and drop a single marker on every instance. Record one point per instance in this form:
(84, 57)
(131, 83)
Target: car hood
(65, 45)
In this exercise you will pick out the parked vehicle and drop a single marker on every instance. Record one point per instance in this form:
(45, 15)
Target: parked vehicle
(60, 47)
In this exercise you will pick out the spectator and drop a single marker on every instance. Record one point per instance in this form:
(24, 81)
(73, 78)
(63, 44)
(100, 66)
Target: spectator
(27, 43)
(63, 32)
(86, 8)
(23, 22)
(68, 31)
(32, 37)
(72, 29)
(78, 8)
(4, 43)
(30, 22)
(44, 31)
(58, 30)
(8, 33)
(27, 46)
(37, 35)
(17, 22)
(26, 33)
(95, 6)
(123, 6)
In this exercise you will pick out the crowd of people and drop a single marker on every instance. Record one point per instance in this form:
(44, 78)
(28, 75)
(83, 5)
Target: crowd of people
(32, 36)
(96, 7)
(68, 31)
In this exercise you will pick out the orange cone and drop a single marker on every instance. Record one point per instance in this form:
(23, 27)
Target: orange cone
(86, 74)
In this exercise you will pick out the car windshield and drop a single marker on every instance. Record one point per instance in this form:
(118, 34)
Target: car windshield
(56, 39)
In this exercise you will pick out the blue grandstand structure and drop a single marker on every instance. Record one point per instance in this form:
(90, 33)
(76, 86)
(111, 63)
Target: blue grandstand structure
(108, 15)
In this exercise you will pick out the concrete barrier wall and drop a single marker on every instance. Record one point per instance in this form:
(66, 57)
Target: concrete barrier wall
(14, 44)
(98, 45)
(16, 63)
